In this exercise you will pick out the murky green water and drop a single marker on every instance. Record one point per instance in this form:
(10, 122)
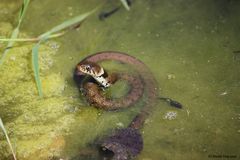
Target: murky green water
(191, 46)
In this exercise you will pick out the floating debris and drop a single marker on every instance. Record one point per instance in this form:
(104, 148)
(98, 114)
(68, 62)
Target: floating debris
(171, 76)
(53, 45)
(188, 112)
(13, 58)
(236, 55)
(223, 93)
(170, 115)
(120, 124)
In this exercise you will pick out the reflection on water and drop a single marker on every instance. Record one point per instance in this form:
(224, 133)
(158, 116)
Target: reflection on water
(190, 46)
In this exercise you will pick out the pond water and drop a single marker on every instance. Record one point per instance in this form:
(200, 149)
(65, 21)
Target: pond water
(191, 47)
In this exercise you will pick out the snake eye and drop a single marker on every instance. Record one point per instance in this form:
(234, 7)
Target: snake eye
(88, 68)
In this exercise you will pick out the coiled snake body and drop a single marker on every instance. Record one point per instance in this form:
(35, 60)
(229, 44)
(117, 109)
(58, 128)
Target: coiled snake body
(125, 143)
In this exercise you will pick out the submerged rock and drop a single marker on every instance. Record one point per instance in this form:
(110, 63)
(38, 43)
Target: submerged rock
(124, 144)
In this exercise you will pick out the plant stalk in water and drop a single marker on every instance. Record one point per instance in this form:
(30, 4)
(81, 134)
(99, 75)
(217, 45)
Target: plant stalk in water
(45, 36)
(8, 140)
(31, 39)
(125, 4)
(16, 30)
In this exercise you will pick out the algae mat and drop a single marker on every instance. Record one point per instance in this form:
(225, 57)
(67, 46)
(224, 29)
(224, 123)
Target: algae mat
(191, 46)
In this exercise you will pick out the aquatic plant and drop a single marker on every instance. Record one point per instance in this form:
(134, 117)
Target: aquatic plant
(51, 34)
(125, 4)
(16, 30)
(8, 140)
(56, 31)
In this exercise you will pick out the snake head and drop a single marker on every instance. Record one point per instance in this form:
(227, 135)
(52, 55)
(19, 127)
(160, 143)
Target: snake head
(90, 68)
(124, 144)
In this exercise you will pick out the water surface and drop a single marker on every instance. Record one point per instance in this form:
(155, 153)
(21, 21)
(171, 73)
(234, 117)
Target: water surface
(192, 48)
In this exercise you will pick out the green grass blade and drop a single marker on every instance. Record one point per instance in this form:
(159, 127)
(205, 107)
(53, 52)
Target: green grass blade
(23, 11)
(47, 35)
(31, 39)
(66, 24)
(8, 140)
(10, 44)
(16, 30)
(36, 68)
(125, 4)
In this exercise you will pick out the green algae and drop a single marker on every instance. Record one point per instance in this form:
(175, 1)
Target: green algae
(8, 9)
(26, 115)
(5, 29)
